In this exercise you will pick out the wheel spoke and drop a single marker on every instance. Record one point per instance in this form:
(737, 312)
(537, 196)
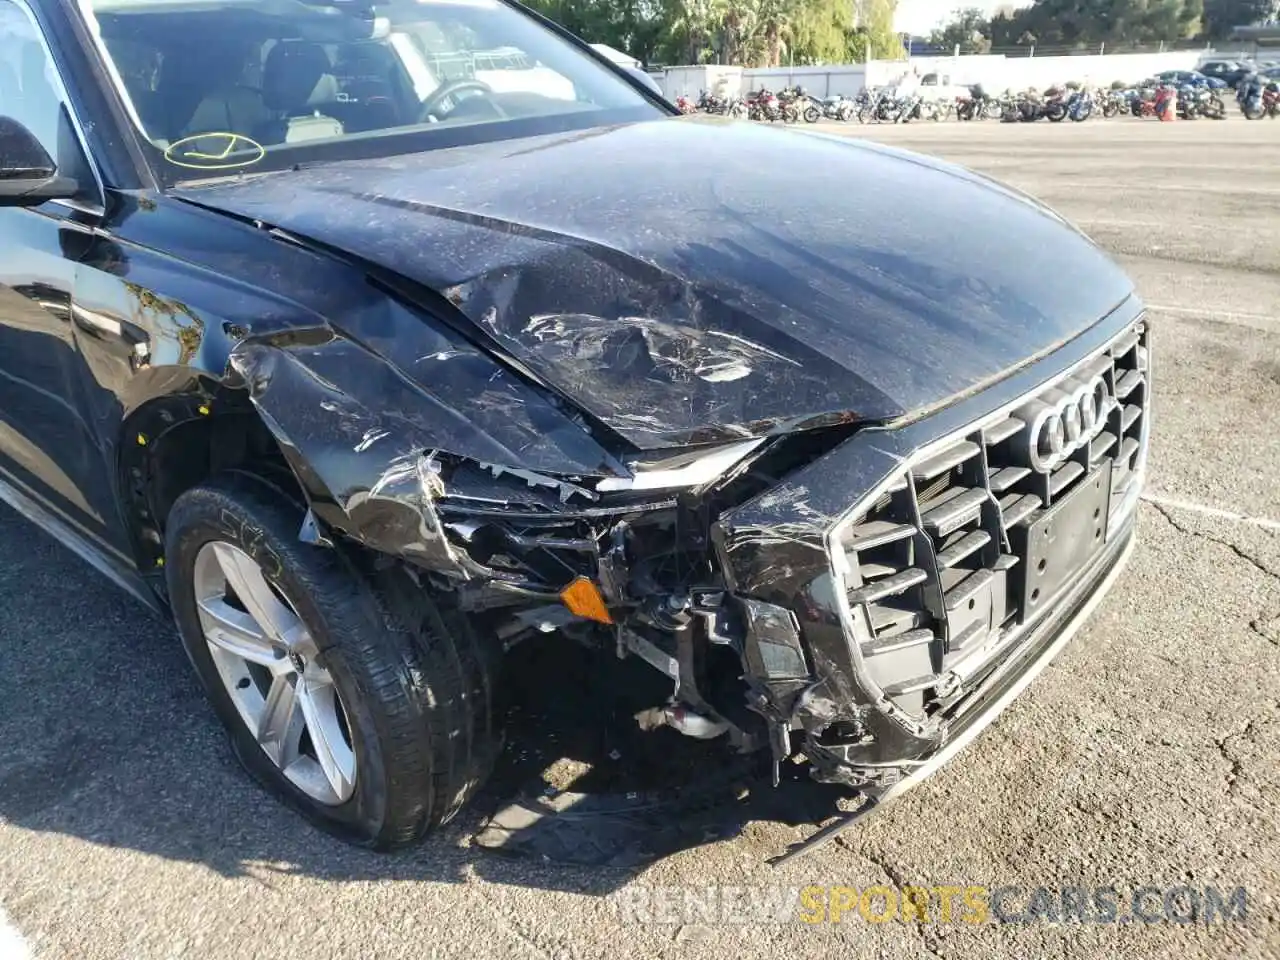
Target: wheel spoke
(319, 705)
(236, 632)
(279, 726)
(244, 576)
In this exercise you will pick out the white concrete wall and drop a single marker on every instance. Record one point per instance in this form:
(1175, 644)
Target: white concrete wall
(998, 73)
(691, 81)
(848, 79)
(995, 72)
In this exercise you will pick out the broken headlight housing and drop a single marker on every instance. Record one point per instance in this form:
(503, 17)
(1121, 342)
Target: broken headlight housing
(688, 468)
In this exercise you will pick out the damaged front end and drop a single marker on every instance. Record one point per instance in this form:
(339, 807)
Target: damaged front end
(854, 595)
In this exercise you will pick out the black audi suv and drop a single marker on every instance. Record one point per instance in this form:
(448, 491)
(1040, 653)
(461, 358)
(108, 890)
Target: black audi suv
(372, 339)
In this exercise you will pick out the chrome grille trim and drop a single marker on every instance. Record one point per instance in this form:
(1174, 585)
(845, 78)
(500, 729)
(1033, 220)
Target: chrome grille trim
(926, 556)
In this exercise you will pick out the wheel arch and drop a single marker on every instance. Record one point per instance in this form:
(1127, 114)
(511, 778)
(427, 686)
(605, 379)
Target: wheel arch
(176, 440)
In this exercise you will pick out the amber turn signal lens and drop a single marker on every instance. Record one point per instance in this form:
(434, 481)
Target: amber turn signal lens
(583, 599)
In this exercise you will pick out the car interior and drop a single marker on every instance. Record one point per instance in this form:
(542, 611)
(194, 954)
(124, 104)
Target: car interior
(291, 78)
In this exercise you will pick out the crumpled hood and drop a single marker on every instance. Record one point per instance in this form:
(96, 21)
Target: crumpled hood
(691, 280)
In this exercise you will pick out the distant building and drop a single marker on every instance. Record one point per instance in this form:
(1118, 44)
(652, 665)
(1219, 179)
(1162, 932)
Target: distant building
(1265, 36)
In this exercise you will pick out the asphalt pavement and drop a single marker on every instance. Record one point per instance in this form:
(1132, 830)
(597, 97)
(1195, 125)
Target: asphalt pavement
(1146, 756)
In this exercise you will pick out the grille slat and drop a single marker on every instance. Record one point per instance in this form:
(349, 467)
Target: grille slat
(969, 544)
(1004, 478)
(1130, 414)
(999, 432)
(949, 459)
(874, 571)
(1127, 343)
(914, 685)
(938, 561)
(968, 588)
(1017, 507)
(886, 618)
(955, 512)
(1102, 443)
(877, 533)
(889, 586)
(1128, 383)
(1064, 476)
(898, 642)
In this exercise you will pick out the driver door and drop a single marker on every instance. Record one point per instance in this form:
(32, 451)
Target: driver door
(49, 453)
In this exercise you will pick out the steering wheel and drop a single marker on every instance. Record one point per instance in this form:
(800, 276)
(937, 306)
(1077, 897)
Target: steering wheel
(446, 90)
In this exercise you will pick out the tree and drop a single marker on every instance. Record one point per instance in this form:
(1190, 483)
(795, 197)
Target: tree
(969, 30)
(696, 22)
(1222, 16)
(1086, 23)
(749, 32)
(873, 35)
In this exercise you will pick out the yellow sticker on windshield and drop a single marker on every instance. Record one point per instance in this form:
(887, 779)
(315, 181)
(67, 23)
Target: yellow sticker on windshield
(214, 151)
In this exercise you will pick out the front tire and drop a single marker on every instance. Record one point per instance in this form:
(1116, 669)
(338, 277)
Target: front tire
(351, 696)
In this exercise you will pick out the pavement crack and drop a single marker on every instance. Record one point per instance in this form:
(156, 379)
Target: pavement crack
(899, 881)
(1243, 555)
(1236, 770)
(1258, 627)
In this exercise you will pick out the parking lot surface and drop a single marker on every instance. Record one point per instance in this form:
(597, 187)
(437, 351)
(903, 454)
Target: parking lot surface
(1147, 755)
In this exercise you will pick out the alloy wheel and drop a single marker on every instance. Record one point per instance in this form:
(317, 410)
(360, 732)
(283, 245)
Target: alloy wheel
(272, 671)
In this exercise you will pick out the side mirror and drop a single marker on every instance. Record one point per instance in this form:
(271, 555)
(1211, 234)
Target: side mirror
(28, 175)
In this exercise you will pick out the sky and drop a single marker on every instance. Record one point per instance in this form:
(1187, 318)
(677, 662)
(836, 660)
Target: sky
(921, 16)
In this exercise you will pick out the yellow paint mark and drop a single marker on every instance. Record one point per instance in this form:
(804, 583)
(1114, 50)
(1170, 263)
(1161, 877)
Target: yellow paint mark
(194, 158)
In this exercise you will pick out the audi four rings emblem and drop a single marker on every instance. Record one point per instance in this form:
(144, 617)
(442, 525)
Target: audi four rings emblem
(1066, 423)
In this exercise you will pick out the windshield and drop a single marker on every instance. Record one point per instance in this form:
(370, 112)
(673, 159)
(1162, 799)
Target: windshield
(222, 87)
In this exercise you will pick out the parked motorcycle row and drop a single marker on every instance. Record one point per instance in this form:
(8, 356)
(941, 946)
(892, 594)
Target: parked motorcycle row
(1256, 98)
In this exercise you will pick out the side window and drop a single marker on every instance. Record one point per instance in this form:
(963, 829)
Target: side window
(28, 92)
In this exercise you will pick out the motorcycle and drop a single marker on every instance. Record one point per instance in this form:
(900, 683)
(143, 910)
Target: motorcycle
(797, 104)
(685, 105)
(924, 109)
(839, 107)
(868, 103)
(789, 104)
(879, 105)
(1022, 108)
(906, 109)
(1152, 101)
(764, 105)
(1079, 106)
(1054, 107)
(978, 105)
(1261, 100)
(1200, 101)
(710, 103)
(1114, 102)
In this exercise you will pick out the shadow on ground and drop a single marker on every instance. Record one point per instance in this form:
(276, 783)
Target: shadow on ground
(105, 736)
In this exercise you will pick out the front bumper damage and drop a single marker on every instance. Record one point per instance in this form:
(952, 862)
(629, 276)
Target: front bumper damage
(879, 633)
(748, 578)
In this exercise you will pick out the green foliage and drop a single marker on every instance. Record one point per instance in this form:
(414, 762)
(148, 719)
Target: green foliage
(1090, 23)
(747, 32)
(1221, 16)
(969, 30)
